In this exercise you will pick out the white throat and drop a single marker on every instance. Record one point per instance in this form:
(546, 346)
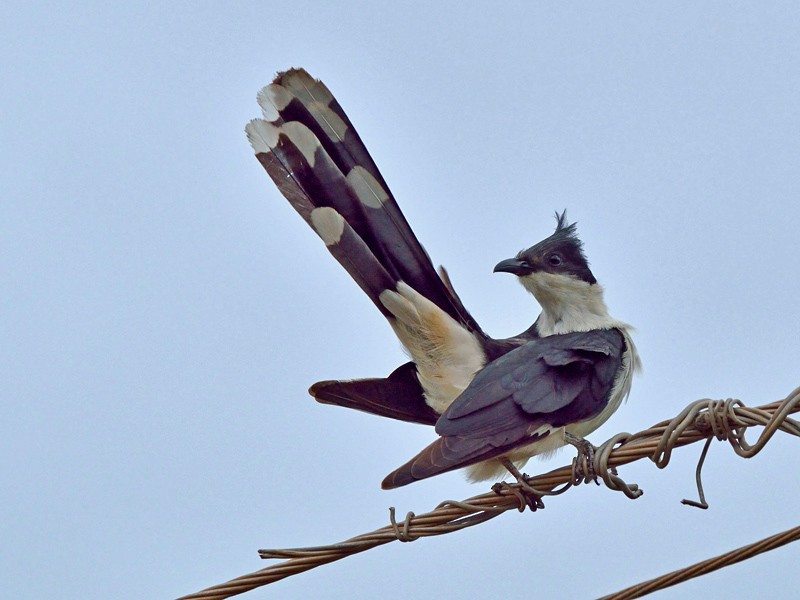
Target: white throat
(568, 304)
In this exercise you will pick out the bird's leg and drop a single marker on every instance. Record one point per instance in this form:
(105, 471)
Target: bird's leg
(585, 451)
(531, 496)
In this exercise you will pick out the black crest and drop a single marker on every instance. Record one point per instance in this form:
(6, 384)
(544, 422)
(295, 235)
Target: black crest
(562, 252)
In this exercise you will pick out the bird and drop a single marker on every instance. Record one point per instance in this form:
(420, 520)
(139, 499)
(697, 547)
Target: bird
(494, 402)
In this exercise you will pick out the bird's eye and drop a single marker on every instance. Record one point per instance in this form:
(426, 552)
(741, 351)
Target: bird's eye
(554, 260)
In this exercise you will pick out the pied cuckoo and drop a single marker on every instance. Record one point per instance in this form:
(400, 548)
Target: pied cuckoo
(494, 402)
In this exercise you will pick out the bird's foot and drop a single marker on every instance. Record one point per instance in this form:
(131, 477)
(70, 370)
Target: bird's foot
(584, 465)
(527, 494)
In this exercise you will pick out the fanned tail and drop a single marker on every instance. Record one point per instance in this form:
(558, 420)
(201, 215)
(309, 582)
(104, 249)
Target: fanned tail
(316, 158)
(314, 155)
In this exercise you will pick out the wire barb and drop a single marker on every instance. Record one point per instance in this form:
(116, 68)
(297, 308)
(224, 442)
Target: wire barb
(402, 535)
(608, 474)
(698, 479)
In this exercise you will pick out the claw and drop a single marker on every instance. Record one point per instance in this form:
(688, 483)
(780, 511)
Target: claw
(586, 452)
(525, 492)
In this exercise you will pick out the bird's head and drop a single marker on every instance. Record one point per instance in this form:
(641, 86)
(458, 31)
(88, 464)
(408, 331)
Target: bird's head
(561, 254)
(557, 273)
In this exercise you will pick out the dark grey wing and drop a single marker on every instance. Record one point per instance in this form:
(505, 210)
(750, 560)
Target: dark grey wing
(548, 382)
(542, 376)
(454, 452)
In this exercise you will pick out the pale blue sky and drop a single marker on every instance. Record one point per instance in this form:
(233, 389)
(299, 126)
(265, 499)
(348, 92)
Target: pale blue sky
(164, 310)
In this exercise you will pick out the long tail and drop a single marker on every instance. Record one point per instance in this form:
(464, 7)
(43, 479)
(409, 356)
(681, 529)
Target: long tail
(317, 160)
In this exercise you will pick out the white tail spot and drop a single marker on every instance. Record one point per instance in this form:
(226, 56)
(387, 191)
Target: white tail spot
(328, 224)
(366, 187)
(262, 136)
(303, 138)
(272, 99)
(303, 85)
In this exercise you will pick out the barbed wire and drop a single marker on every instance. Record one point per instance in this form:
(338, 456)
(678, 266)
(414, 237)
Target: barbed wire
(701, 420)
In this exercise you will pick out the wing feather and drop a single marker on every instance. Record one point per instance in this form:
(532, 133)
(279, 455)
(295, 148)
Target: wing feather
(515, 400)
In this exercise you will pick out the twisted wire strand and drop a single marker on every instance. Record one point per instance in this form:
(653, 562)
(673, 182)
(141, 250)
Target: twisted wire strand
(706, 566)
(701, 420)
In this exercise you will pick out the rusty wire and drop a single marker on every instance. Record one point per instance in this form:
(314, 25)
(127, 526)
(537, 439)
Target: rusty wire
(701, 420)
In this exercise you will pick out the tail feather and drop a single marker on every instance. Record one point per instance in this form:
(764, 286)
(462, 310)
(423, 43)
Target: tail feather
(316, 158)
(443, 455)
(339, 172)
(398, 396)
(313, 104)
(452, 452)
(303, 172)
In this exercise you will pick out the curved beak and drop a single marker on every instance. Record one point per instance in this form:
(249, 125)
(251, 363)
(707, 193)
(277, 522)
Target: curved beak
(513, 265)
